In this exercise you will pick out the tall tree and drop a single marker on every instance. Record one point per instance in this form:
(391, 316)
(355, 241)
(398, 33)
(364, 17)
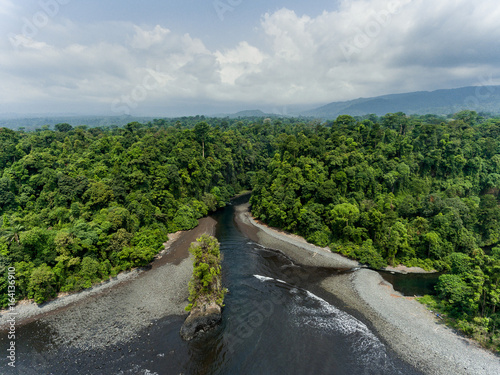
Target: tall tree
(201, 130)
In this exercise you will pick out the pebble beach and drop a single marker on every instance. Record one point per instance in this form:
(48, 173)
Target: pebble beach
(412, 331)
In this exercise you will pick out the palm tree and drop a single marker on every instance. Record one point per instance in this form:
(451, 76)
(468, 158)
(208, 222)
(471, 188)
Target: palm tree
(12, 234)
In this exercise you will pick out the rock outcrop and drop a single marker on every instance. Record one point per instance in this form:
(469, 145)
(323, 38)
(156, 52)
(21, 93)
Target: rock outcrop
(206, 293)
(200, 320)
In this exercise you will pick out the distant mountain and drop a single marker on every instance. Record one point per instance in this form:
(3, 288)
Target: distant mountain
(439, 102)
(246, 113)
(250, 113)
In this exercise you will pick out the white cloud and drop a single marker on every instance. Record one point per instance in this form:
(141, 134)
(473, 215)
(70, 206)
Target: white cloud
(290, 34)
(234, 63)
(164, 63)
(144, 39)
(26, 42)
(364, 48)
(368, 48)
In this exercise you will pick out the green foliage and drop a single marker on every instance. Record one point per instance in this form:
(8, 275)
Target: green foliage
(397, 189)
(89, 203)
(41, 283)
(89, 269)
(431, 301)
(368, 254)
(7, 197)
(426, 264)
(64, 127)
(454, 290)
(184, 219)
(206, 284)
(82, 204)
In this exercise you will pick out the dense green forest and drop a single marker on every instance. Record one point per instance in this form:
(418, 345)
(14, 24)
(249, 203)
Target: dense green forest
(81, 204)
(413, 190)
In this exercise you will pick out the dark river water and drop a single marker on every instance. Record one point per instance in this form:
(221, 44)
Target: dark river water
(412, 284)
(275, 321)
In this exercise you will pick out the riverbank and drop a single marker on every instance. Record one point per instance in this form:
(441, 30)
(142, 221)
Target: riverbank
(295, 247)
(404, 269)
(412, 331)
(28, 310)
(126, 307)
(416, 334)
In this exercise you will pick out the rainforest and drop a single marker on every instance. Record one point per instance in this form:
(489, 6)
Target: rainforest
(81, 204)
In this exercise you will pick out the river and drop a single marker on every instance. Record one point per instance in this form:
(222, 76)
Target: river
(276, 320)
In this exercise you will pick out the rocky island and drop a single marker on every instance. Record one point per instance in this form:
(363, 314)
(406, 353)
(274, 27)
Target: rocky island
(206, 294)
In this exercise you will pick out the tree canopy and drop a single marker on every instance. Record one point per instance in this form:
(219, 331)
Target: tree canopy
(80, 204)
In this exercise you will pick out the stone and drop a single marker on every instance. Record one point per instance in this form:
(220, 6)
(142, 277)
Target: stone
(200, 320)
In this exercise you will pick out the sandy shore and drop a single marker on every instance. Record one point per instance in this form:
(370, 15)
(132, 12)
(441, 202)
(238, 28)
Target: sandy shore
(153, 294)
(404, 324)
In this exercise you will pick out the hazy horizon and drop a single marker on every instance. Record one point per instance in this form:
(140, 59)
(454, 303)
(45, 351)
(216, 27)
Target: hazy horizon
(224, 56)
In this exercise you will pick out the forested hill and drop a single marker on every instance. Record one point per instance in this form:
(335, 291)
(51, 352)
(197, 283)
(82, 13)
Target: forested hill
(80, 204)
(440, 102)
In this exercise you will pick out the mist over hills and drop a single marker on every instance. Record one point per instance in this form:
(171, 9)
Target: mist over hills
(485, 99)
(245, 113)
(439, 102)
(482, 99)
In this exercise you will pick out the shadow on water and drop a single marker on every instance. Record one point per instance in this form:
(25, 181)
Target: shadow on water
(412, 284)
(276, 320)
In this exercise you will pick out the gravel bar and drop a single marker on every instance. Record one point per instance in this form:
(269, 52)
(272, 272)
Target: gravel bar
(412, 331)
(116, 311)
(291, 245)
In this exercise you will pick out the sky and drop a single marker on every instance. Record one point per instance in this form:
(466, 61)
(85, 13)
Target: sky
(188, 57)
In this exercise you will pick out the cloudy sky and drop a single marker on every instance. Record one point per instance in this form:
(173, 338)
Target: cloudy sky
(169, 58)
